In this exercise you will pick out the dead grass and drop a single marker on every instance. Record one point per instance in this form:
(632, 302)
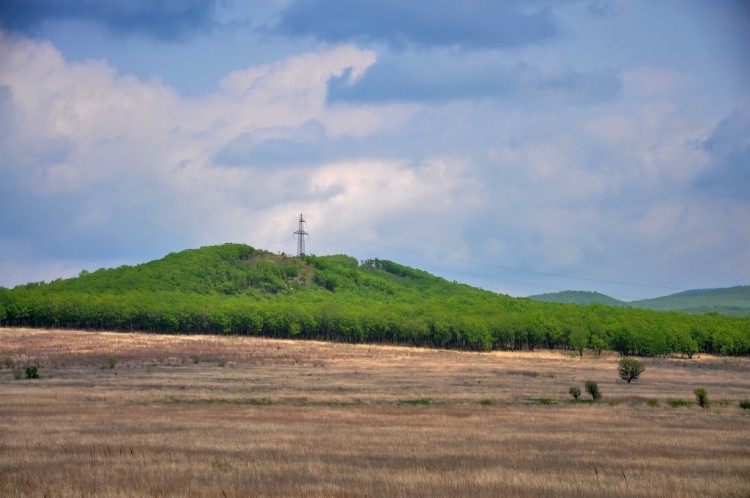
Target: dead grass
(286, 418)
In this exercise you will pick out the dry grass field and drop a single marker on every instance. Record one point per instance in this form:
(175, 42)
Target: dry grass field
(230, 416)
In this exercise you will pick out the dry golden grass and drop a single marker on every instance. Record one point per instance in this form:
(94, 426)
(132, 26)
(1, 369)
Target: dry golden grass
(285, 418)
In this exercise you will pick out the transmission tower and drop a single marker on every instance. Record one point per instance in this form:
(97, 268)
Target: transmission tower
(301, 234)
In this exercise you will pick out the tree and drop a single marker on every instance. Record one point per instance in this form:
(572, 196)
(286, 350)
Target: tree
(593, 389)
(597, 343)
(575, 392)
(701, 395)
(578, 339)
(630, 369)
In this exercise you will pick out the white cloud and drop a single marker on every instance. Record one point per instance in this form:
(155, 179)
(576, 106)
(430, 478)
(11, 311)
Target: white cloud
(128, 155)
(99, 165)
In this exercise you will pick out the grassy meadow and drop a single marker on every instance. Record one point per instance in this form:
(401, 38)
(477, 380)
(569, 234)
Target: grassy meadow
(119, 414)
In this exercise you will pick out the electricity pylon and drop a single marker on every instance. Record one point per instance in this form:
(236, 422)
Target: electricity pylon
(301, 234)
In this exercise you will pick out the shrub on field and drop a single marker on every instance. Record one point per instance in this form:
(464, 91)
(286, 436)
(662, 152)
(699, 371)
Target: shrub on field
(109, 363)
(8, 362)
(575, 392)
(630, 369)
(593, 389)
(679, 402)
(32, 372)
(701, 396)
(745, 404)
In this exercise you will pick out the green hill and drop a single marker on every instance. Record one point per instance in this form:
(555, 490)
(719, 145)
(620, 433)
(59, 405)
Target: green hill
(236, 289)
(730, 301)
(577, 297)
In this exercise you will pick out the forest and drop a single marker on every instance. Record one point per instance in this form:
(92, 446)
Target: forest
(237, 289)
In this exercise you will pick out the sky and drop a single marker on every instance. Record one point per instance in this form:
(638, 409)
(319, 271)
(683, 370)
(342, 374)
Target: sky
(523, 146)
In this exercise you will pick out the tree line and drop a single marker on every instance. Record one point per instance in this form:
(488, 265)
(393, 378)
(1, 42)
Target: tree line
(236, 289)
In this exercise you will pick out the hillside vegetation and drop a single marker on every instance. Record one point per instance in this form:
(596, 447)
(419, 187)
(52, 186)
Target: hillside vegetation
(731, 301)
(236, 289)
(577, 297)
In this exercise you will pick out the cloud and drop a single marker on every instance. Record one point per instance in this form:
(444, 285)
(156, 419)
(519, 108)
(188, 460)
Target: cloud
(441, 75)
(275, 147)
(161, 20)
(533, 158)
(102, 166)
(728, 147)
(442, 23)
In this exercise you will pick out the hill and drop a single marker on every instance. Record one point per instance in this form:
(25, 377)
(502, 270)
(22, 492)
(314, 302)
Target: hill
(730, 301)
(577, 297)
(237, 289)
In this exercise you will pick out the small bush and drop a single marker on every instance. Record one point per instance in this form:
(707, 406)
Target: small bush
(8, 362)
(701, 396)
(485, 402)
(109, 363)
(679, 402)
(415, 402)
(575, 392)
(745, 404)
(32, 372)
(652, 402)
(195, 358)
(630, 369)
(593, 389)
(544, 401)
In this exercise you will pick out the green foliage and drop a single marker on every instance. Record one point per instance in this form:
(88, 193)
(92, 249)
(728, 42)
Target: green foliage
(109, 363)
(745, 404)
(236, 289)
(415, 402)
(630, 369)
(578, 338)
(543, 401)
(593, 389)
(575, 392)
(597, 343)
(577, 297)
(731, 301)
(676, 403)
(652, 402)
(32, 372)
(701, 396)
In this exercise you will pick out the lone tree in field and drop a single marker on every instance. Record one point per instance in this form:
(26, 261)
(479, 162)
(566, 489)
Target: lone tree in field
(593, 389)
(630, 369)
(701, 395)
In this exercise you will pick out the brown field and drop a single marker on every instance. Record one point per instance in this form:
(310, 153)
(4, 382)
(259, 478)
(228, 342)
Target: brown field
(229, 416)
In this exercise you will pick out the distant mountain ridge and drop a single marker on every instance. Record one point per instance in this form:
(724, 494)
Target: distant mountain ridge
(727, 301)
